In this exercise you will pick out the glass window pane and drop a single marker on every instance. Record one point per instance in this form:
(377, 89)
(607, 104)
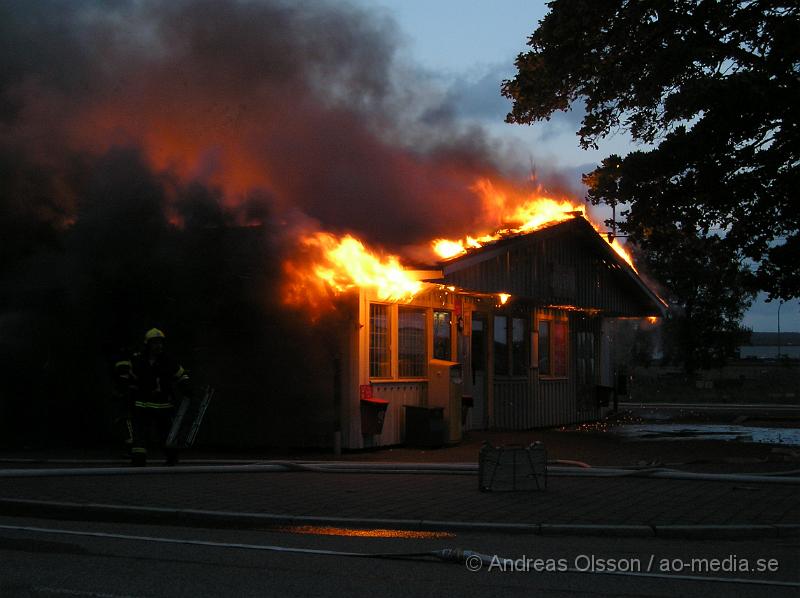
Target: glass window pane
(501, 345)
(379, 354)
(519, 357)
(544, 347)
(411, 342)
(559, 348)
(442, 347)
(479, 345)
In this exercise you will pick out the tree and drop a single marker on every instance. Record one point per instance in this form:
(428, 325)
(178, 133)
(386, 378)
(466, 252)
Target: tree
(713, 88)
(705, 286)
(707, 283)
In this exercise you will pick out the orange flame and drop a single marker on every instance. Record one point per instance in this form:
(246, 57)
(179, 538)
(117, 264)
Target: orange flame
(339, 264)
(518, 212)
(335, 265)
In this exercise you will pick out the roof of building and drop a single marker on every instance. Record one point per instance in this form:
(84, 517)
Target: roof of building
(577, 229)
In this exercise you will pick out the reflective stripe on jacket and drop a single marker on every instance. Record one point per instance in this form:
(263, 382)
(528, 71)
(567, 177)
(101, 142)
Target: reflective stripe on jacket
(154, 383)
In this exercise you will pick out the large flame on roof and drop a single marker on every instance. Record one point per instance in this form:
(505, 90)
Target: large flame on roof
(518, 212)
(340, 264)
(331, 265)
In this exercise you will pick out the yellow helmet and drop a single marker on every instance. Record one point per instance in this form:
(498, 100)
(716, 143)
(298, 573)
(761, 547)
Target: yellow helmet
(153, 333)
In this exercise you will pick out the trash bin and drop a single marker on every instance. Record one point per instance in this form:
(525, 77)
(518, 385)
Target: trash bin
(373, 412)
(425, 426)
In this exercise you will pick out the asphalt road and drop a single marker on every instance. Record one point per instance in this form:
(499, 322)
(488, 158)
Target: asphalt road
(49, 558)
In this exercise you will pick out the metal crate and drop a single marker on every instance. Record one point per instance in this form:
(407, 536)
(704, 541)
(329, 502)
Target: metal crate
(512, 468)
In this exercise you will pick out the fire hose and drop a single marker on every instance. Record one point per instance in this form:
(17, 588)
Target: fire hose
(473, 560)
(556, 468)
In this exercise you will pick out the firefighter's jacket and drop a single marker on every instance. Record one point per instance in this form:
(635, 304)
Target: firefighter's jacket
(122, 379)
(156, 385)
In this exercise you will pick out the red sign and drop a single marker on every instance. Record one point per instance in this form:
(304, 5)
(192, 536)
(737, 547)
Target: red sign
(366, 391)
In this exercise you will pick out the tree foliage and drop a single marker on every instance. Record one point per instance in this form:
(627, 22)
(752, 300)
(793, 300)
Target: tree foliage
(705, 284)
(711, 88)
(704, 278)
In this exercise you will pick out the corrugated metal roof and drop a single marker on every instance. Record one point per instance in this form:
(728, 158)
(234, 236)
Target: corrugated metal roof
(576, 230)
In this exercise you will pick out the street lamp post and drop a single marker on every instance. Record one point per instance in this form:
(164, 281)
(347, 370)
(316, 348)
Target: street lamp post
(780, 303)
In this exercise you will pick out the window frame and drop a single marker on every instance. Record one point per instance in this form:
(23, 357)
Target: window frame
(551, 320)
(393, 316)
(451, 351)
(424, 312)
(506, 346)
(518, 370)
(389, 338)
(514, 371)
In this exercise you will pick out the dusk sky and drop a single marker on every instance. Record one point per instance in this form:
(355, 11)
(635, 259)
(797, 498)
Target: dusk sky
(468, 48)
(315, 115)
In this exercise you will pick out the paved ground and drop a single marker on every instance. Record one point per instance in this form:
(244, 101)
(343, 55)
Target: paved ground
(567, 500)
(53, 559)
(590, 443)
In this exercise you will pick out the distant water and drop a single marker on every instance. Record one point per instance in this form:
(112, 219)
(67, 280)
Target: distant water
(790, 436)
(769, 352)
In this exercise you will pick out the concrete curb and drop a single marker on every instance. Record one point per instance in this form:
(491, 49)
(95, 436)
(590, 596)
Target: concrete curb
(701, 532)
(786, 530)
(232, 519)
(590, 529)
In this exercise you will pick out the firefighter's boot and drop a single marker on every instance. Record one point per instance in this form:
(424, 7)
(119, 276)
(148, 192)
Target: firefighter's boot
(138, 457)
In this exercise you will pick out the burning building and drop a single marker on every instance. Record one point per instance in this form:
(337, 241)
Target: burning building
(511, 332)
(217, 170)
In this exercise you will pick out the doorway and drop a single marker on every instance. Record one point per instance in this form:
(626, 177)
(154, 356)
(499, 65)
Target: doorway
(479, 365)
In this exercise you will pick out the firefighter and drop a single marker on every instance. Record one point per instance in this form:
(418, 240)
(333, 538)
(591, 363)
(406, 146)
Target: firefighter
(157, 380)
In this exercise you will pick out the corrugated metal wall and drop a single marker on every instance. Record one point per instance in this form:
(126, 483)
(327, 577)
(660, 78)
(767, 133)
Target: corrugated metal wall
(520, 404)
(555, 403)
(513, 405)
(565, 265)
(552, 268)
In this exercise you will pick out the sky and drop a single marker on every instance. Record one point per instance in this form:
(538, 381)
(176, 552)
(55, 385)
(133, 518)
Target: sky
(311, 115)
(469, 47)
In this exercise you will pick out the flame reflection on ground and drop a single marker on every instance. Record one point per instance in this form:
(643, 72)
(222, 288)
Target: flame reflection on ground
(321, 530)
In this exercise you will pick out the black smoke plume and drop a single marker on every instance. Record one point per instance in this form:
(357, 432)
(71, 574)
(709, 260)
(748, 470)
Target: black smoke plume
(156, 161)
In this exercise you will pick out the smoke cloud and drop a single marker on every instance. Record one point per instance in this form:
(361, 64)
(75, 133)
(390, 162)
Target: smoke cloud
(138, 137)
(302, 103)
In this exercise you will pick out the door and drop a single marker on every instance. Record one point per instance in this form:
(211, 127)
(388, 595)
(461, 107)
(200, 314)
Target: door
(587, 364)
(478, 362)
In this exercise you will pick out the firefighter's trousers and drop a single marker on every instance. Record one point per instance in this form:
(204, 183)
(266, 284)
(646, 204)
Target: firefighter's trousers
(151, 426)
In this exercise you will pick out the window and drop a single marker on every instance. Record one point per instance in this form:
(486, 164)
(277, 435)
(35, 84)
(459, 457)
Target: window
(411, 343)
(560, 349)
(544, 347)
(379, 352)
(479, 347)
(585, 358)
(442, 346)
(552, 348)
(519, 352)
(501, 346)
(510, 346)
